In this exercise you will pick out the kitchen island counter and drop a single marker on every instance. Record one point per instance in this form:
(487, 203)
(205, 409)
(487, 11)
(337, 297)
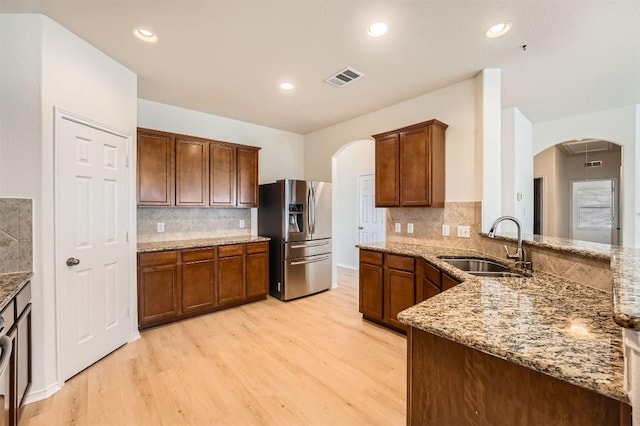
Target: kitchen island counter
(11, 284)
(547, 324)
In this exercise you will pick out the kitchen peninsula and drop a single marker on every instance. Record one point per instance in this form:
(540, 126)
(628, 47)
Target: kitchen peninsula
(534, 350)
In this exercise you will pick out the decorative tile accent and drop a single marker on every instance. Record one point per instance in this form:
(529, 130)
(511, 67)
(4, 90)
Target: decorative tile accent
(16, 235)
(191, 223)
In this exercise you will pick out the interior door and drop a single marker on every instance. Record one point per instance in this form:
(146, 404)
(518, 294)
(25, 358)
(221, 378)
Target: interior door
(93, 255)
(370, 218)
(594, 210)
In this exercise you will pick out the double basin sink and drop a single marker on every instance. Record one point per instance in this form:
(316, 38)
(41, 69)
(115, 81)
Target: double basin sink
(480, 267)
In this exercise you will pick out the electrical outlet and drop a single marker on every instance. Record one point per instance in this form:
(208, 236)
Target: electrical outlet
(398, 227)
(409, 228)
(241, 223)
(445, 230)
(464, 231)
(160, 227)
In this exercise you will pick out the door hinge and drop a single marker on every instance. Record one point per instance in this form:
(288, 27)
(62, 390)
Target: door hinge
(128, 314)
(126, 236)
(126, 162)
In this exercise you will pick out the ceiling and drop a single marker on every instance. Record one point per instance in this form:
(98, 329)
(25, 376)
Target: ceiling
(228, 57)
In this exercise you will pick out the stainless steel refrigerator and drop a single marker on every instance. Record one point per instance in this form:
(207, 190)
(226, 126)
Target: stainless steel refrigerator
(296, 215)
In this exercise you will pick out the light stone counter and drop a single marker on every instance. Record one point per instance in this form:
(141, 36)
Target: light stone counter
(553, 326)
(11, 284)
(203, 242)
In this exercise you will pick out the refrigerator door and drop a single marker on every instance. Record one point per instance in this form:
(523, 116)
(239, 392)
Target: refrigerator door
(320, 210)
(306, 275)
(297, 214)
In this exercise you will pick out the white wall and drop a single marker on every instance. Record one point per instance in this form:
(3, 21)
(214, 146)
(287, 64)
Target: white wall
(517, 169)
(65, 72)
(281, 155)
(618, 125)
(454, 105)
(357, 158)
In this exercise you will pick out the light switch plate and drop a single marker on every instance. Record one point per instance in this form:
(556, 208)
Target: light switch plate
(241, 223)
(445, 230)
(464, 231)
(410, 228)
(160, 227)
(398, 227)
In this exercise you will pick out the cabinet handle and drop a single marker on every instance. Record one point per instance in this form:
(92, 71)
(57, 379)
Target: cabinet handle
(7, 346)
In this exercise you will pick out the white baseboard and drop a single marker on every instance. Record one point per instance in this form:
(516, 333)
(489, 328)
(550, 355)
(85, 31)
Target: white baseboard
(342, 265)
(39, 395)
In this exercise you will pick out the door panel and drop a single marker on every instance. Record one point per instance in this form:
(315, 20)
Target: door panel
(321, 210)
(198, 292)
(155, 169)
(400, 295)
(297, 196)
(257, 274)
(388, 171)
(371, 290)
(192, 173)
(223, 175)
(247, 177)
(594, 210)
(231, 286)
(370, 219)
(415, 157)
(92, 202)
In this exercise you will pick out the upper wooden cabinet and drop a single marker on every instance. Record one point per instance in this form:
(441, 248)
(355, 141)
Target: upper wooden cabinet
(410, 166)
(155, 169)
(191, 171)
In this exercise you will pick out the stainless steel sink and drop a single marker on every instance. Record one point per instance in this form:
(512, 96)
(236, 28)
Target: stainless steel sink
(480, 267)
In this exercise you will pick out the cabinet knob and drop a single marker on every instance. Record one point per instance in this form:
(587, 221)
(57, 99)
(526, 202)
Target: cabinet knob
(72, 261)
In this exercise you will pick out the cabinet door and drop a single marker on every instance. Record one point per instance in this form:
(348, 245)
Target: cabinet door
(247, 177)
(155, 169)
(448, 282)
(192, 173)
(257, 274)
(22, 359)
(399, 295)
(222, 173)
(430, 289)
(415, 175)
(198, 289)
(157, 293)
(230, 280)
(388, 171)
(372, 291)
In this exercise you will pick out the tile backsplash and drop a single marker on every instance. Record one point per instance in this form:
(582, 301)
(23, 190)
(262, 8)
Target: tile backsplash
(16, 235)
(427, 224)
(191, 223)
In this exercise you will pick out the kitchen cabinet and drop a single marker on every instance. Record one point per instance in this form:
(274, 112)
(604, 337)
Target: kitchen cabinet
(192, 172)
(257, 269)
(155, 168)
(371, 285)
(176, 284)
(189, 171)
(231, 276)
(158, 286)
(387, 286)
(410, 166)
(198, 280)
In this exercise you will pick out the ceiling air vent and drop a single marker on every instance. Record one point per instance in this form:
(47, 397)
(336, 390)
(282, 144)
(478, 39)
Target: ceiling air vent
(344, 77)
(597, 163)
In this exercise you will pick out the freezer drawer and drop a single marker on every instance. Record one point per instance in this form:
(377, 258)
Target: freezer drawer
(306, 248)
(306, 275)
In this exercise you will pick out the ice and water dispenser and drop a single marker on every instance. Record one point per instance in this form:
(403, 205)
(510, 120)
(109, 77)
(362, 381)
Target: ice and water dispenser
(296, 223)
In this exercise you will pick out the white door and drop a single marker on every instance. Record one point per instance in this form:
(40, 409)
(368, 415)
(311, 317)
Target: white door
(594, 211)
(371, 219)
(91, 226)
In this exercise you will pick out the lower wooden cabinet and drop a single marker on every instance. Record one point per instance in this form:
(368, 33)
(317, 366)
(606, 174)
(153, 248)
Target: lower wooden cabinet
(391, 283)
(180, 283)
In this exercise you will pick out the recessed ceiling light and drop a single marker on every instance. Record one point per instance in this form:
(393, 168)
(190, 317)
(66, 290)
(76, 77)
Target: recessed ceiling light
(498, 29)
(145, 34)
(287, 85)
(378, 29)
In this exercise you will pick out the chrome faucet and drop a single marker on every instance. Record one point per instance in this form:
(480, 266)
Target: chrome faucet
(519, 254)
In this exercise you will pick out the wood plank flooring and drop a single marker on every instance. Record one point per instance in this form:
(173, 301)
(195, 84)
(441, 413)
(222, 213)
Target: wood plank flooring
(312, 361)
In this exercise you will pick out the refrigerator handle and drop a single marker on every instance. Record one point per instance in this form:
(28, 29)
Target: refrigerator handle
(313, 196)
(309, 213)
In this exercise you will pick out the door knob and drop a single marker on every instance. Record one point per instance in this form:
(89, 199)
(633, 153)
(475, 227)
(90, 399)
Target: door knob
(72, 261)
(360, 227)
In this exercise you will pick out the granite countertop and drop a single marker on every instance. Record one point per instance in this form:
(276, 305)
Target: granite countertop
(625, 269)
(195, 243)
(543, 322)
(11, 284)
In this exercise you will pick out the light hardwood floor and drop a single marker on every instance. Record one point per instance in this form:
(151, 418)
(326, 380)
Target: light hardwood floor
(311, 361)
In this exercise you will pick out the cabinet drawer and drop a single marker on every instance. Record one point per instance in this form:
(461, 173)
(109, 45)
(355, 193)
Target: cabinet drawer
(234, 250)
(371, 257)
(198, 254)
(158, 258)
(257, 247)
(432, 274)
(7, 317)
(23, 298)
(402, 263)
